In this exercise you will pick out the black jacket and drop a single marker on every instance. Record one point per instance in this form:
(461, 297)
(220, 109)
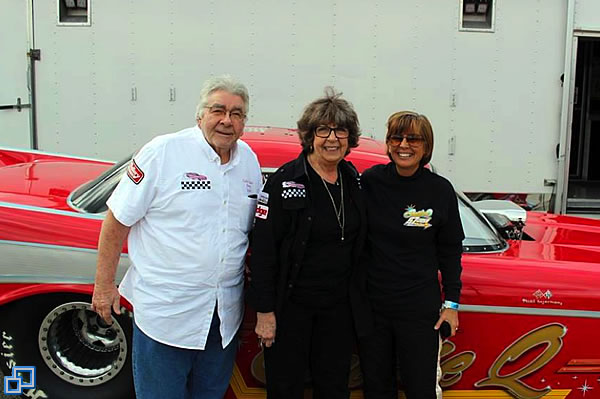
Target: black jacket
(282, 229)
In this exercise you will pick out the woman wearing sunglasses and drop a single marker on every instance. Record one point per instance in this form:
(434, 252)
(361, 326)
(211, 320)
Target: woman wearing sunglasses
(414, 231)
(309, 230)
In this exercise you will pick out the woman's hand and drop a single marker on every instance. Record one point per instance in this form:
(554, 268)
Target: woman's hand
(451, 316)
(265, 328)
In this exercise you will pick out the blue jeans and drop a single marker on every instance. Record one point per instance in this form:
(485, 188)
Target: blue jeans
(162, 371)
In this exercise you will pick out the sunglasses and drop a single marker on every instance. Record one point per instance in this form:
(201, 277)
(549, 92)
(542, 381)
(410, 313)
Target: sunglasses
(411, 139)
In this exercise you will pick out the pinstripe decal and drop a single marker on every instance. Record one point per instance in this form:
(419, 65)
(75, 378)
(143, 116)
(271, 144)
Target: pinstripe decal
(51, 246)
(40, 209)
(23, 262)
(530, 311)
(242, 391)
(581, 366)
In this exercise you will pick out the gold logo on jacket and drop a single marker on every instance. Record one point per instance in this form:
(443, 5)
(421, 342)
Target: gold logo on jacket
(418, 218)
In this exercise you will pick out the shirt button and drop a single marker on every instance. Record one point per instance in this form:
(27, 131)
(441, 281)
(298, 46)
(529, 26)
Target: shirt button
(290, 285)
(225, 202)
(303, 242)
(309, 218)
(223, 230)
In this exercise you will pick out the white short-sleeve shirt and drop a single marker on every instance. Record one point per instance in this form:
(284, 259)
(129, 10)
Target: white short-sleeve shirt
(189, 217)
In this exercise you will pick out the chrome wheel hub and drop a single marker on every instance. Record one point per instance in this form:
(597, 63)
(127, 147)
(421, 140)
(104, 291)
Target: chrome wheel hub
(79, 347)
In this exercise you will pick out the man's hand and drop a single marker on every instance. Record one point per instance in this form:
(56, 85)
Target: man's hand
(451, 316)
(265, 328)
(106, 296)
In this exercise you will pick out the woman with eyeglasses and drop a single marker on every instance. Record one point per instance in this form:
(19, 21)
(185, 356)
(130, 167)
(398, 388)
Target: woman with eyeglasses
(309, 228)
(414, 231)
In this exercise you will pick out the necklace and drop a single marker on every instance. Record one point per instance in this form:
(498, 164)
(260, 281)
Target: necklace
(339, 213)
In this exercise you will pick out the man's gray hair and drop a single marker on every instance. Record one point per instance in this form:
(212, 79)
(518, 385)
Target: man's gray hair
(225, 83)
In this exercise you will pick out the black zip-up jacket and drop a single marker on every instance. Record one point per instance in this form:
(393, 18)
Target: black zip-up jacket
(282, 229)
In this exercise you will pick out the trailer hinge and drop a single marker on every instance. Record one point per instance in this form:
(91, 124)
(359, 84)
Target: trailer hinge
(35, 54)
(18, 106)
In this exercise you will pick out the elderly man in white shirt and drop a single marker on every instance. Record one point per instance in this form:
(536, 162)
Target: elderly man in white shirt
(187, 202)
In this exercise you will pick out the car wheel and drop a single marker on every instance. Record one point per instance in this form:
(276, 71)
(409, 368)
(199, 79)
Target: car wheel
(75, 354)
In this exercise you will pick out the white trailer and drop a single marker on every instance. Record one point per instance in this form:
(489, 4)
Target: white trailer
(102, 77)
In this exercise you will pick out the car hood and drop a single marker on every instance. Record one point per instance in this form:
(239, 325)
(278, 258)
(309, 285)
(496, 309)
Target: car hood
(562, 230)
(44, 180)
(555, 266)
(567, 241)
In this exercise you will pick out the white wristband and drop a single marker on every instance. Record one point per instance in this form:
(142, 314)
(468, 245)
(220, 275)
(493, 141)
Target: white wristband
(450, 305)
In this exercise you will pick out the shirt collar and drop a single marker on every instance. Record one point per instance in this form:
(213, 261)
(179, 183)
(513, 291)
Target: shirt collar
(298, 166)
(391, 166)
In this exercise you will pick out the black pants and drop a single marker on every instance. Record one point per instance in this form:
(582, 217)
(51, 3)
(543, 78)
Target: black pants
(415, 346)
(315, 339)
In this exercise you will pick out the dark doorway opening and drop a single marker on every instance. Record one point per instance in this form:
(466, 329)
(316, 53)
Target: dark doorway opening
(584, 165)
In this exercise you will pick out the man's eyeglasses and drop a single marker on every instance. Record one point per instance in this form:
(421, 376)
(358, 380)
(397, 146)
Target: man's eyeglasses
(411, 139)
(325, 131)
(220, 112)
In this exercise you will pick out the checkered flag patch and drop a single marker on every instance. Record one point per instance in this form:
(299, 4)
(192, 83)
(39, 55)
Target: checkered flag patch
(195, 185)
(293, 193)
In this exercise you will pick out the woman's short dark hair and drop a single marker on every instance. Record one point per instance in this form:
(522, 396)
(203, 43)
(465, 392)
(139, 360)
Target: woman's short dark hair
(325, 110)
(404, 122)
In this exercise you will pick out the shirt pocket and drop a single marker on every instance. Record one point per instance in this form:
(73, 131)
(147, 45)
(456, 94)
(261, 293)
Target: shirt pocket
(293, 203)
(248, 209)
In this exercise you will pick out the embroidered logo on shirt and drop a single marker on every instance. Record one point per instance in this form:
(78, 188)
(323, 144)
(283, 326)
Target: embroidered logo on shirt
(292, 184)
(262, 211)
(134, 172)
(195, 176)
(417, 218)
(195, 181)
(249, 185)
(263, 198)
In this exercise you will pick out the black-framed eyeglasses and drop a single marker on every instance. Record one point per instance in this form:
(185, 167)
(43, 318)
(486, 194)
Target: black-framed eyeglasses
(411, 139)
(219, 111)
(325, 131)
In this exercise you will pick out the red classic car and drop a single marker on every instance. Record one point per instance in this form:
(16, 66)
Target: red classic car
(530, 306)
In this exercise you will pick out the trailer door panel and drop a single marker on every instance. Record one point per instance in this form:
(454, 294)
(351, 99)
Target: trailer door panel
(14, 96)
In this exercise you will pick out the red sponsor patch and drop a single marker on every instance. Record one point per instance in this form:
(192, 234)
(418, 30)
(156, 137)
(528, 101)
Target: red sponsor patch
(134, 172)
(262, 211)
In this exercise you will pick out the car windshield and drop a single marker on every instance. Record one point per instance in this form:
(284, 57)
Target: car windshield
(480, 236)
(92, 196)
